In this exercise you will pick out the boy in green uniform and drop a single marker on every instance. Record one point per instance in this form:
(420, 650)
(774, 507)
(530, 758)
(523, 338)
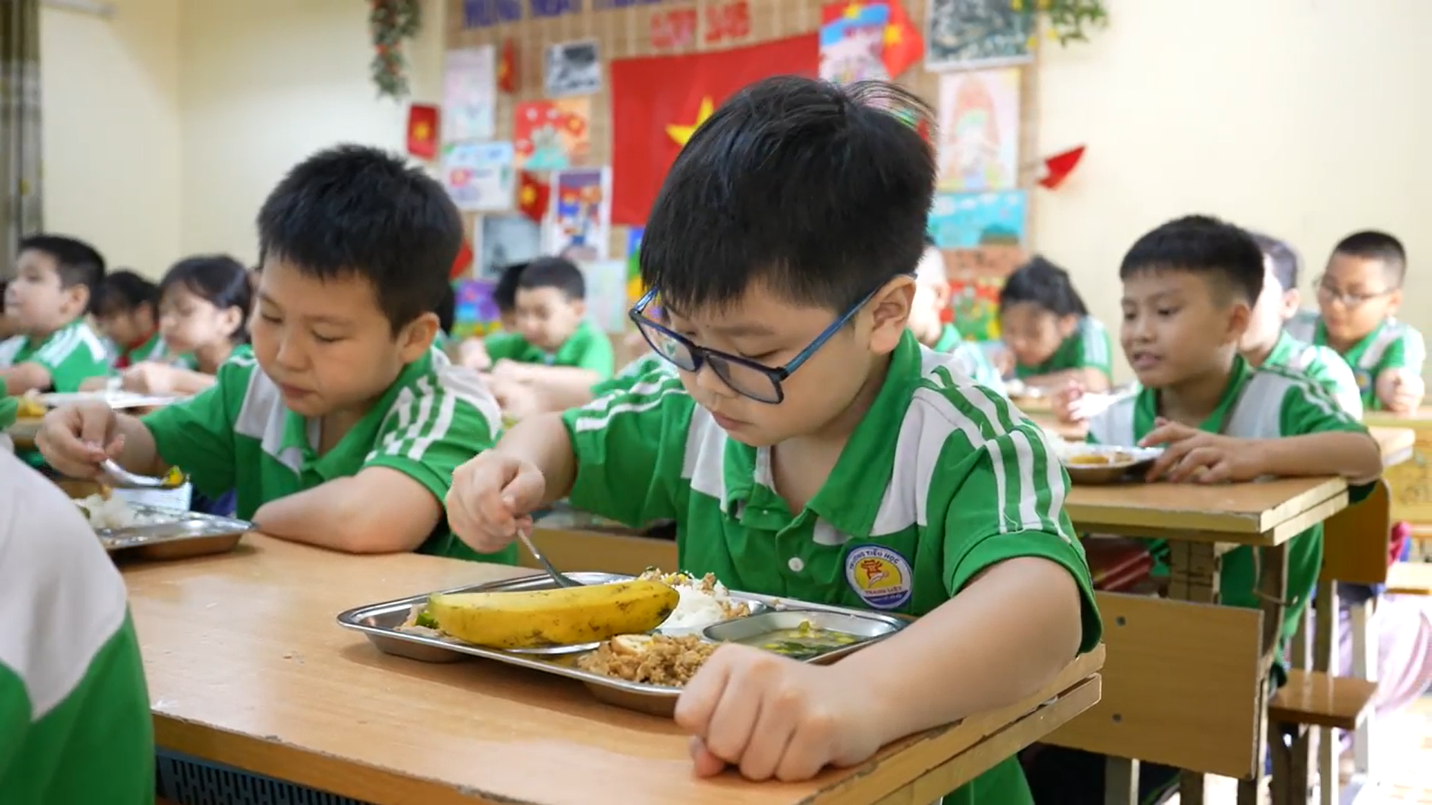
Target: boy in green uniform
(810, 449)
(1048, 330)
(1189, 287)
(1358, 296)
(344, 402)
(57, 279)
(554, 339)
(932, 298)
(75, 727)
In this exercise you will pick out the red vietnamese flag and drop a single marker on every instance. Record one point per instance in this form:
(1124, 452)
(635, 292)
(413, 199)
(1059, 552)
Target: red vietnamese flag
(533, 196)
(657, 102)
(507, 67)
(463, 262)
(423, 131)
(903, 43)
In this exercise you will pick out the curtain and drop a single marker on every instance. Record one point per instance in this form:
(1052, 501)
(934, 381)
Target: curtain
(19, 126)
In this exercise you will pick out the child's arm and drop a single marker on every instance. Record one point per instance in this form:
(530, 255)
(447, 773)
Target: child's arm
(1091, 378)
(345, 514)
(1399, 385)
(158, 378)
(26, 377)
(1193, 455)
(74, 439)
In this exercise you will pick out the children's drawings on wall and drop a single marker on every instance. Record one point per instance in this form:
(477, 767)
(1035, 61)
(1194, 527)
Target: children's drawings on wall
(470, 94)
(475, 312)
(572, 68)
(479, 176)
(606, 294)
(852, 42)
(963, 34)
(552, 134)
(579, 224)
(979, 130)
(504, 240)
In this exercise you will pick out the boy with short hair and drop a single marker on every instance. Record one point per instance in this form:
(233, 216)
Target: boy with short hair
(74, 711)
(1189, 287)
(1358, 296)
(810, 448)
(56, 282)
(554, 337)
(932, 298)
(343, 403)
(472, 352)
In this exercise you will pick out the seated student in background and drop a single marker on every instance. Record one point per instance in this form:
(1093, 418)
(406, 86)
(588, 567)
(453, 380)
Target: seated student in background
(8, 325)
(472, 353)
(56, 280)
(127, 312)
(554, 338)
(1049, 332)
(775, 447)
(75, 726)
(932, 299)
(1189, 288)
(344, 403)
(447, 319)
(1358, 296)
(204, 307)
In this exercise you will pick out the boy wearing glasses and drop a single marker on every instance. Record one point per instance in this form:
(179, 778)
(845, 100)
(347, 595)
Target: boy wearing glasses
(1358, 296)
(808, 447)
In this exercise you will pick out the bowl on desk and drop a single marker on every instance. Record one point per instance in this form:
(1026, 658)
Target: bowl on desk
(1105, 464)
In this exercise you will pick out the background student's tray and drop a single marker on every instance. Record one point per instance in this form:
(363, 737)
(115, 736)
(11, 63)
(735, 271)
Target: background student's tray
(173, 534)
(380, 623)
(118, 400)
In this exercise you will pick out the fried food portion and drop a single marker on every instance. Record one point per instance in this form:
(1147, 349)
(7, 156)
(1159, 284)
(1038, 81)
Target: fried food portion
(649, 659)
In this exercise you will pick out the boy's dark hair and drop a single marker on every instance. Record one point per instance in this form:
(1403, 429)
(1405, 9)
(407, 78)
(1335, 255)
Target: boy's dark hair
(1373, 245)
(217, 278)
(447, 310)
(504, 294)
(1285, 262)
(554, 272)
(1203, 245)
(819, 192)
(358, 211)
(124, 291)
(78, 262)
(1041, 282)
(929, 240)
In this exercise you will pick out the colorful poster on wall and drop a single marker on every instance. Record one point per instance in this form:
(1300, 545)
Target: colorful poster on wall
(979, 130)
(852, 42)
(982, 236)
(475, 312)
(479, 176)
(572, 68)
(966, 220)
(470, 94)
(965, 34)
(606, 294)
(552, 134)
(504, 240)
(579, 223)
(635, 289)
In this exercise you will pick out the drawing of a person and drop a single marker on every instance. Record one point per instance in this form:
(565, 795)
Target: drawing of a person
(975, 137)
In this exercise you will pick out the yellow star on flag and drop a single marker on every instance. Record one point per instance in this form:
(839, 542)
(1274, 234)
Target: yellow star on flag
(682, 134)
(892, 35)
(529, 195)
(852, 11)
(422, 131)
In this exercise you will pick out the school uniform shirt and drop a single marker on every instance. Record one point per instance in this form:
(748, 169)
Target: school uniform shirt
(972, 360)
(1391, 345)
(237, 435)
(1321, 365)
(586, 348)
(74, 711)
(71, 354)
(633, 372)
(1087, 347)
(9, 411)
(1267, 403)
(901, 524)
(153, 349)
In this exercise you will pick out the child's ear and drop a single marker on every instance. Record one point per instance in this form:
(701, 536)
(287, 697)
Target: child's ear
(76, 300)
(1239, 314)
(1394, 301)
(942, 295)
(417, 337)
(232, 318)
(1292, 300)
(580, 306)
(1068, 324)
(889, 313)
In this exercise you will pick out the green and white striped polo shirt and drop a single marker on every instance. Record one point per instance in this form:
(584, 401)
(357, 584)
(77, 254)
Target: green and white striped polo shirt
(71, 354)
(238, 435)
(1321, 365)
(75, 727)
(1392, 344)
(1087, 347)
(941, 479)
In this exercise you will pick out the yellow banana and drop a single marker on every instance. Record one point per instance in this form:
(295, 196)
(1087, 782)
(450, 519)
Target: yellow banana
(561, 617)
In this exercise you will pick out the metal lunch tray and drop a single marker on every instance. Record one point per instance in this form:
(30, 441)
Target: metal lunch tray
(1139, 458)
(174, 534)
(380, 622)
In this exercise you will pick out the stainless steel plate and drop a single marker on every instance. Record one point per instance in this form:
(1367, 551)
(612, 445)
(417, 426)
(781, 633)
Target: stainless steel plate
(173, 534)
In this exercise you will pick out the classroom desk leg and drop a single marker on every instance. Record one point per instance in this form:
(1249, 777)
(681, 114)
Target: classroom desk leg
(1194, 569)
(1121, 781)
(1325, 645)
(1272, 590)
(1364, 666)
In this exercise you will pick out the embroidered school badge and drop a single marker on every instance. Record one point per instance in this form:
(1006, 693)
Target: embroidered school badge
(880, 576)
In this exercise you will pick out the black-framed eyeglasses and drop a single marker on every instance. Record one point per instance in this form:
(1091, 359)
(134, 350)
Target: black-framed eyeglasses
(1349, 300)
(742, 375)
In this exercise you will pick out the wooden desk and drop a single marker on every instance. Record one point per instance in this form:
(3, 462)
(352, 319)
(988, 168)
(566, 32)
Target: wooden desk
(247, 667)
(1411, 481)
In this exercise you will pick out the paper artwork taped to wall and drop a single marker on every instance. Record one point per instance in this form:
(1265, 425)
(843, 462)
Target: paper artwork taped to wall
(504, 240)
(572, 68)
(852, 42)
(470, 94)
(579, 221)
(479, 176)
(552, 134)
(978, 147)
(964, 34)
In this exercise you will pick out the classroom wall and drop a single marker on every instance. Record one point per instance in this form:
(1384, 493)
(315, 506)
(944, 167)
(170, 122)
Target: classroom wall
(111, 135)
(264, 84)
(1305, 119)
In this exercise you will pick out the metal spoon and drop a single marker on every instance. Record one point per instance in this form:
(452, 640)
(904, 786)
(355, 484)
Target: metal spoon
(562, 581)
(127, 480)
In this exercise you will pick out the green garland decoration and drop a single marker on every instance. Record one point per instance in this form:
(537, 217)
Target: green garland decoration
(1069, 20)
(392, 21)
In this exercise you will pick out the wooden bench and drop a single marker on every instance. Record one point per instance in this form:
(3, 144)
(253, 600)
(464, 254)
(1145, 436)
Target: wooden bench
(1310, 699)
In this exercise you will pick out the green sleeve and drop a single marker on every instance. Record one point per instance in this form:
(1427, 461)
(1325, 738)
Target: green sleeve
(71, 359)
(629, 449)
(505, 345)
(597, 355)
(633, 373)
(1095, 349)
(1409, 352)
(1008, 502)
(9, 409)
(1331, 373)
(1307, 409)
(14, 718)
(197, 435)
